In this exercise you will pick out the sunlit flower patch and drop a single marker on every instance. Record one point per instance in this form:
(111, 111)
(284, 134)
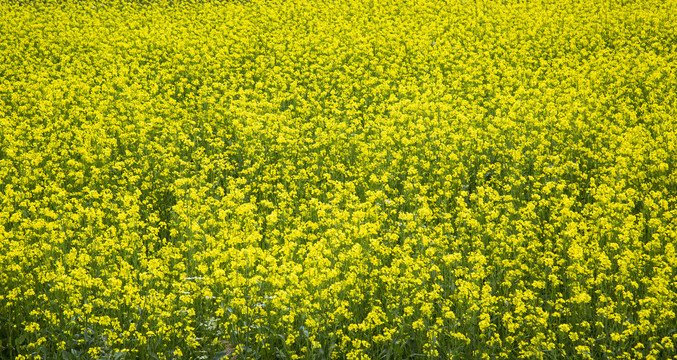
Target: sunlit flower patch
(338, 179)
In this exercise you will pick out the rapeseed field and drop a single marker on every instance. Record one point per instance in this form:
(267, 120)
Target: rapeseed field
(372, 179)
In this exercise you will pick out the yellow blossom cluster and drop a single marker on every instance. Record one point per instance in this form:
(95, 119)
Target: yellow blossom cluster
(338, 179)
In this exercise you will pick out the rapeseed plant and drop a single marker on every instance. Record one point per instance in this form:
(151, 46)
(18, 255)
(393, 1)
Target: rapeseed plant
(338, 179)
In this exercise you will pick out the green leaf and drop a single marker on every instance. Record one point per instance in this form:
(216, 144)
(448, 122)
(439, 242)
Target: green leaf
(220, 355)
(21, 339)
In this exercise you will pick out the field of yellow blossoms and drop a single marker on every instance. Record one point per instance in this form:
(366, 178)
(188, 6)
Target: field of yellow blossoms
(346, 179)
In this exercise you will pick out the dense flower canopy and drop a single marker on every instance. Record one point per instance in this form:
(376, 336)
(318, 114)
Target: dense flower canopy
(338, 179)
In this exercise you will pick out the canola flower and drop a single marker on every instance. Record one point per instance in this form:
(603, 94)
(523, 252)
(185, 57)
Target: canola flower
(338, 179)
